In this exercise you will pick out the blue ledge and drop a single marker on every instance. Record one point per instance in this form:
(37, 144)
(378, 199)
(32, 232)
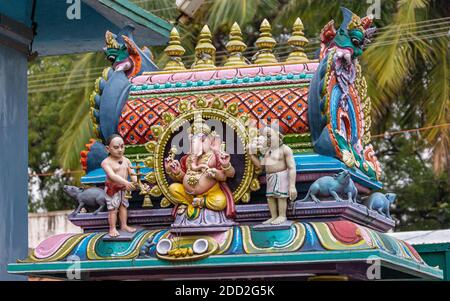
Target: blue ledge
(318, 163)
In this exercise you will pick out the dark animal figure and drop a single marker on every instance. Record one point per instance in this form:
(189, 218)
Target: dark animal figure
(338, 184)
(90, 197)
(381, 202)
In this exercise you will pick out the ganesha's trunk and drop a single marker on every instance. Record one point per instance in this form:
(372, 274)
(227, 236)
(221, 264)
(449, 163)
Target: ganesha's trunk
(196, 147)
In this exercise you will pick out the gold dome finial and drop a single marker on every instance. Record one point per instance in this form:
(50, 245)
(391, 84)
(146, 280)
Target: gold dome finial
(265, 44)
(298, 43)
(174, 51)
(235, 47)
(205, 50)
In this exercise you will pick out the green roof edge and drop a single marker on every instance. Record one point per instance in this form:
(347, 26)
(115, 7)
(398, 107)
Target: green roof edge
(139, 15)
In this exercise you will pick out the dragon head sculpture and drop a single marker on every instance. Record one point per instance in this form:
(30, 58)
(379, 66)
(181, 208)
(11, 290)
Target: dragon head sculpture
(125, 55)
(339, 109)
(350, 38)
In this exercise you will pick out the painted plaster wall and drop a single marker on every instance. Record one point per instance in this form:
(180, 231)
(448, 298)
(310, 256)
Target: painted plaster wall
(43, 225)
(13, 159)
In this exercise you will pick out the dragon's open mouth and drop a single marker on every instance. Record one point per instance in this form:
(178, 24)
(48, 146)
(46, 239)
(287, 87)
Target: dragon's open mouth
(345, 55)
(126, 66)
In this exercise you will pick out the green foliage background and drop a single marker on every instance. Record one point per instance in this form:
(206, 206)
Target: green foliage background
(408, 84)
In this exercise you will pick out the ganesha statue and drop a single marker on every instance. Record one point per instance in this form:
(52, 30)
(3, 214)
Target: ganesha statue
(199, 189)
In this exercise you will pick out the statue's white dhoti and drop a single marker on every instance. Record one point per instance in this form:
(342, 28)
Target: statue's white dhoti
(113, 202)
(277, 184)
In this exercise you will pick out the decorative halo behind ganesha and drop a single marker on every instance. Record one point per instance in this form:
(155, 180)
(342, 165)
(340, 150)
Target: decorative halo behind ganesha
(200, 190)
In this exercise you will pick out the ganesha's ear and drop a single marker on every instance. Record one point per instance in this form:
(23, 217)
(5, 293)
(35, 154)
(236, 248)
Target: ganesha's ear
(253, 123)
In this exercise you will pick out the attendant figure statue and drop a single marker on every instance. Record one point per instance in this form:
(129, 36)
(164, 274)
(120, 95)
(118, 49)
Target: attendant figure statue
(278, 161)
(118, 169)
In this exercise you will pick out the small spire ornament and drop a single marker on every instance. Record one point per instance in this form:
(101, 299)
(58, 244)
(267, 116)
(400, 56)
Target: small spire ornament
(298, 42)
(235, 47)
(265, 44)
(174, 51)
(204, 51)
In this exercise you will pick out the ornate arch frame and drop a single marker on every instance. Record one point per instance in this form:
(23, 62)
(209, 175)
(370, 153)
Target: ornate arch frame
(216, 110)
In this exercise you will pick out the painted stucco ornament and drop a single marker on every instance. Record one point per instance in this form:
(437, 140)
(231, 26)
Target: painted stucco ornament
(334, 186)
(268, 152)
(125, 55)
(381, 202)
(93, 197)
(339, 109)
(200, 179)
(200, 191)
(199, 199)
(112, 88)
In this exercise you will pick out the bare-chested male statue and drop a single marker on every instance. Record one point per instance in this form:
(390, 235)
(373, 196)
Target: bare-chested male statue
(278, 161)
(117, 168)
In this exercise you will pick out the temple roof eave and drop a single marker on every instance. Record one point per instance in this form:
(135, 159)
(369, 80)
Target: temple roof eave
(297, 262)
(304, 247)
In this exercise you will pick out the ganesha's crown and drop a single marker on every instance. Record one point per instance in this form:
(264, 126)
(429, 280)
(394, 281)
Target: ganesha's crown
(199, 126)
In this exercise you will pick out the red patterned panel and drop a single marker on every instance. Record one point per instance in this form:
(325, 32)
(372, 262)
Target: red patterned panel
(132, 118)
(345, 232)
(141, 128)
(124, 128)
(135, 104)
(151, 118)
(143, 110)
(151, 102)
(289, 106)
(279, 108)
(250, 102)
(125, 111)
(161, 108)
(270, 117)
